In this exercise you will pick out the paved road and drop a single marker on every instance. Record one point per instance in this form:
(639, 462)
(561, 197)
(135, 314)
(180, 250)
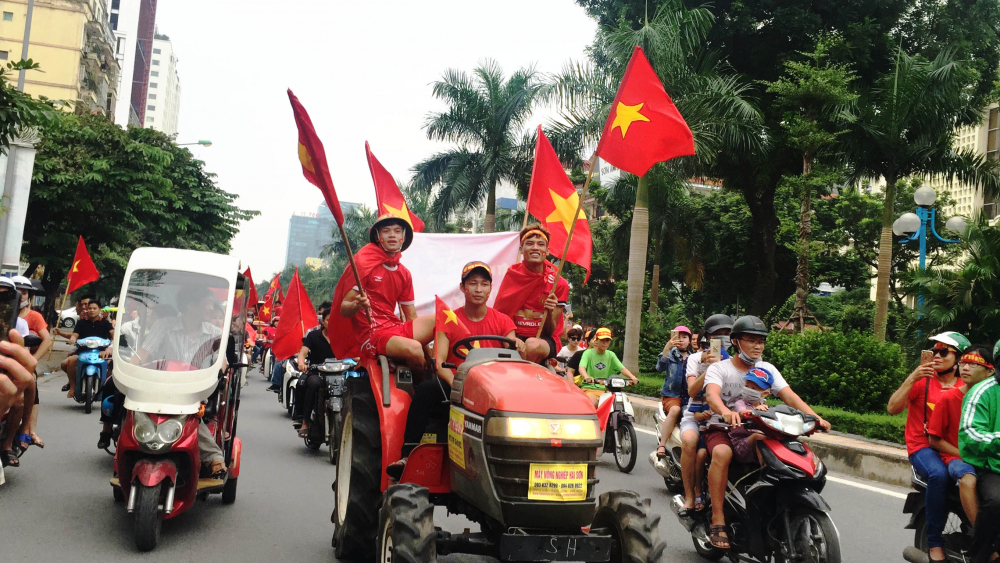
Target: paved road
(58, 505)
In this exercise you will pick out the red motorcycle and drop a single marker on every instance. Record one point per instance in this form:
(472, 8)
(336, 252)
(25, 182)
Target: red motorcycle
(181, 385)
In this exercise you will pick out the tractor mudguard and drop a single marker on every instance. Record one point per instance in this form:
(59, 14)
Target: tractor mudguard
(151, 473)
(391, 418)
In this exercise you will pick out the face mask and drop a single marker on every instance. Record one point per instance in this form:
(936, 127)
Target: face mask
(24, 303)
(747, 359)
(752, 396)
(726, 341)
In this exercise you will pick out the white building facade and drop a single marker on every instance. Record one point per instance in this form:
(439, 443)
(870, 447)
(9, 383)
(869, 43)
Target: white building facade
(164, 95)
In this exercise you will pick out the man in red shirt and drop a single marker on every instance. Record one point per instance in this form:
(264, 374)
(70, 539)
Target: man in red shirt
(942, 431)
(387, 284)
(431, 398)
(919, 395)
(527, 294)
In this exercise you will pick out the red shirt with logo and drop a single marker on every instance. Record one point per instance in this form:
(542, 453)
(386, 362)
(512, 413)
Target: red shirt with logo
(386, 286)
(528, 318)
(494, 323)
(946, 418)
(915, 432)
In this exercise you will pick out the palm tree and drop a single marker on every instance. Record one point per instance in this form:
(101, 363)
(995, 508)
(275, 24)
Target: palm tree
(356, 225)
(967, 299)
(713, 103)
(486, 118)
(903, 126)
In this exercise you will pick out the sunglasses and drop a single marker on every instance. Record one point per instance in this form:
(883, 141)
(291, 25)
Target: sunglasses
(574, 338)
(941, 351)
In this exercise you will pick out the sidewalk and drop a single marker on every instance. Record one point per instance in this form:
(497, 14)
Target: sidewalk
(48, 367)
(843, 453)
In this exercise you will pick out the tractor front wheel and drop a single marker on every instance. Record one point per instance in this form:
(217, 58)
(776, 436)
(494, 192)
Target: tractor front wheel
(633, 526)
(357, 490)
(406, 526)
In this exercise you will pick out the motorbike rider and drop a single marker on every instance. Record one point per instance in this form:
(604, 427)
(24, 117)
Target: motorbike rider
(27, 434)
(386, 284)
(600, 363)
(673, 395)
(979, 446)
(431, 398)
(724, 385)
(93, 325)
(17, 368)
(315, 345)
(918, 394)
(526, 295)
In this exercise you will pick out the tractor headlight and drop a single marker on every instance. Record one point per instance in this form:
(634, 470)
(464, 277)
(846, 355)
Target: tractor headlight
(542, 428)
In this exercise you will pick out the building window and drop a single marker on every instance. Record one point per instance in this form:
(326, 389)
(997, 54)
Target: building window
(156, 62)
(154, 73)
(156, 51)
(3, 55)
(992, 140)
(152, 84)
(150, 108)
(8, 16)
(115, 4)
(152, 96)
(149, 120)
(114, 22)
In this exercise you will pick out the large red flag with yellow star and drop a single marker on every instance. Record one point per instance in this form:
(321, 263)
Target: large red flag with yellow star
(298, 317)
(83, 270)
(553, 200)
(387, 194)
(313, 158)
(446, 321)
(644, 126)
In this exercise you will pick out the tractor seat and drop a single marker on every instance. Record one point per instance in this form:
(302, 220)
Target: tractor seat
(476, 357)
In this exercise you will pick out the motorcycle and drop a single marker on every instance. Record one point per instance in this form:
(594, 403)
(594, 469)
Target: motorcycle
(181, 384)
(289, 383)
(775, 510)
(91, 370)
(669, 466)
(617, 417)
(324, 423)
(957, 533)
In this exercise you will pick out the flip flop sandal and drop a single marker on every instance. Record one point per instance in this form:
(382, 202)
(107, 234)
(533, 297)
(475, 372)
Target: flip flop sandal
(9, 459)
(24, 440)
(219, 472)
(718, 540)
(65, 388)
(661, 452)
(303, 433)
(36, 441)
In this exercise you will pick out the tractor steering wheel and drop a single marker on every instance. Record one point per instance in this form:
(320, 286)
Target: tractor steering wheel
(508, 344)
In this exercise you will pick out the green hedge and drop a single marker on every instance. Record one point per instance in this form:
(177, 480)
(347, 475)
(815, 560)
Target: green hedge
(874, 426)
(649, 385)
(850, 371)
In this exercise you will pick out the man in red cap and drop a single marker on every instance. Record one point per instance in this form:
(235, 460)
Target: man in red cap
(386, 284)
(529, 293)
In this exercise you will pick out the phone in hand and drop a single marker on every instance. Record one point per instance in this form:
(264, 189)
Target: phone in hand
(716, 347)
(10, 306)
(926, 357)
(674, 334)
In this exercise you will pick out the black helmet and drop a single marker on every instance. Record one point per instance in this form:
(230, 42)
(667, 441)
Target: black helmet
(386, 219)
(718, 321)
(749, 324)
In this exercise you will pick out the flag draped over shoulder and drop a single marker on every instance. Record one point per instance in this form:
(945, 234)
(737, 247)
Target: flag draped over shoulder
(343, 339)
(313, 158)
(553, 200)
(387, 194)
(298, 316)
(83, 270)
(644, 126)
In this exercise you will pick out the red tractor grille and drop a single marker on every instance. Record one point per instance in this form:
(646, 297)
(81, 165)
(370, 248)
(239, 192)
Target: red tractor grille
(510, 466)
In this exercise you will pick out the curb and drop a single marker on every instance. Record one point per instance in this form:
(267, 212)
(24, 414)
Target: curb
(843, 453)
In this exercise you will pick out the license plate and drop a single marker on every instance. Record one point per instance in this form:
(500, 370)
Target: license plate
(555, 548)
(559, 482)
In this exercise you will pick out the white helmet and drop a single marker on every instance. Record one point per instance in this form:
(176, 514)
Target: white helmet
(22, 282)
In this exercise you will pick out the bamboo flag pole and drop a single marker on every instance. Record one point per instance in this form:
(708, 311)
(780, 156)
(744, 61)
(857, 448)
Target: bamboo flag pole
(569, 237)
(354, 268)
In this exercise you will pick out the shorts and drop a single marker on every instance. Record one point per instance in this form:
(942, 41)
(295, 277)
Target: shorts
(594, 393)
(668, 402)
(743, 450)
(377, 342)
(715, 438)
(958, 469)
(689, 423)
(553, 349)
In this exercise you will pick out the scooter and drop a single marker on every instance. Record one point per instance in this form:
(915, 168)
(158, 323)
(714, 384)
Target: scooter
(91, 370)
(616, 417)
(324, 422)
(773, 510)
(178, 390)
(668, 466)
(957, 533)
(289, 382)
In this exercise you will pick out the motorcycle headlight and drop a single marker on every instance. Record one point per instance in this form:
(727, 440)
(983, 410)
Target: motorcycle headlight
(156, 436)
(542, 428)
(93, 344)
(145, 429)
(791, 424)
(773, 423)
(169, 431)
(808, 426)
(617, 382)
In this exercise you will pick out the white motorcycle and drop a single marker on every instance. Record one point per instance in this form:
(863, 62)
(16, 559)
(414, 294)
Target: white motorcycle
(669, 466)
(290, 381)
(618, 428)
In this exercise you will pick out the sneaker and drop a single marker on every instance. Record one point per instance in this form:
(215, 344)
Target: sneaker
(274, 388)
(105, 441)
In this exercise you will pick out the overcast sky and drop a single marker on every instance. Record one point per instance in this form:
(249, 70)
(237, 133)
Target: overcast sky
(362, 69)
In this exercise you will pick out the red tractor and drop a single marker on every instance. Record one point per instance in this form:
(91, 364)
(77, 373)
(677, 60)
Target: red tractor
(517, 455)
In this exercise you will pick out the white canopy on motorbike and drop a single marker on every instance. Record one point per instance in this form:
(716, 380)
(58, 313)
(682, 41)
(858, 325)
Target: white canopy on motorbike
(176, 345)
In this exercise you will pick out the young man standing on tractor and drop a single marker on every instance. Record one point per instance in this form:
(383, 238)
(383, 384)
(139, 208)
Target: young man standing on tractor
(431, 399)
(528, 297)
(368, 324)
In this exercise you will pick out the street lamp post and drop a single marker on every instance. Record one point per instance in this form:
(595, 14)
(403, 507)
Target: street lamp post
(202, 142)
(914, 226)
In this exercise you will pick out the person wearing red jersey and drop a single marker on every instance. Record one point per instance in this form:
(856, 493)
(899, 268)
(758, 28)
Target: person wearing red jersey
(385, 284)
(527, 294)
(431, 398)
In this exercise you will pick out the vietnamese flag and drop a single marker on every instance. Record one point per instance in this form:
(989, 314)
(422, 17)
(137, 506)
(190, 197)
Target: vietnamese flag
(446, 321)
(252, 297)
(298, 317)
(83, 270)
(267, 310)
(387, 195)
(313, 158)
(644, 126)
(553, 200)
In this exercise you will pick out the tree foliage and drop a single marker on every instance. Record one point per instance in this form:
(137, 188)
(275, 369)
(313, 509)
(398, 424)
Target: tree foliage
(19, 111)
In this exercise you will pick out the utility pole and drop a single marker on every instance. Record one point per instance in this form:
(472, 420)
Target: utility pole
(24, 44)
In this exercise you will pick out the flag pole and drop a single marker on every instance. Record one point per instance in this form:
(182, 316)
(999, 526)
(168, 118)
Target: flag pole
(354, 268)
(569, 237)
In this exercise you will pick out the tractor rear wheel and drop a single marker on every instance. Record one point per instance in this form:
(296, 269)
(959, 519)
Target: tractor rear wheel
(634, 528)
(406, 526)
(357, 491)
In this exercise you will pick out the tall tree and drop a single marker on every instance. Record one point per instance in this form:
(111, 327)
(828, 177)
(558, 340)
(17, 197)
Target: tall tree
(19, 111)
(486, 118)
(812, 93)
(903, 126)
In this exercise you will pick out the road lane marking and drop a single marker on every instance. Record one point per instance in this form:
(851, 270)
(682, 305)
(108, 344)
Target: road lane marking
(862, 486)
(644, 431)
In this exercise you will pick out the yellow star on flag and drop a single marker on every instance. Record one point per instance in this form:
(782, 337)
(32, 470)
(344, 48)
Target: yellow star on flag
(564, 209)
(265, 311)
(305, 159)
(402, 212)
(75, 264)
(451, 316)
(626, 115)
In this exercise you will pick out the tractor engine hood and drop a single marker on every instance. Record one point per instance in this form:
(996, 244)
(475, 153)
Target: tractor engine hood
(523, 387)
